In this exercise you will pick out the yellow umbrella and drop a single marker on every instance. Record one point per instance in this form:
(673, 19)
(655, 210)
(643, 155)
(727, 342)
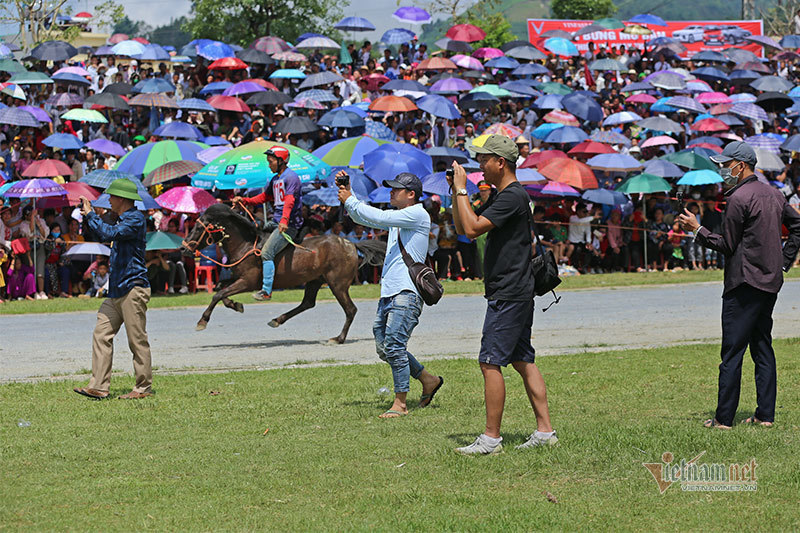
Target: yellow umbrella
(635, 29)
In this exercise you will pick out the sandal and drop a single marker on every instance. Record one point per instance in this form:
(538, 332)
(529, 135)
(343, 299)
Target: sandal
(712, 423)
(753, 420)
(392, 414)
(426, 399)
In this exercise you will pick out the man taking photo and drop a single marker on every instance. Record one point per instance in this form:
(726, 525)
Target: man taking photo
(754, 266)
(509, 284)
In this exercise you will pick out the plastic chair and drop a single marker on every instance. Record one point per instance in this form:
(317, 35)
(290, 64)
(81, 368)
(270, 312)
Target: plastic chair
(210, 277)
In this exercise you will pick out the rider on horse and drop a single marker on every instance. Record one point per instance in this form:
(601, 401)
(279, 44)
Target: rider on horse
(284, 191)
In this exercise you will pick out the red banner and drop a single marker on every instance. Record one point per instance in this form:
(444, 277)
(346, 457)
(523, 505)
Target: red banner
(695, 35)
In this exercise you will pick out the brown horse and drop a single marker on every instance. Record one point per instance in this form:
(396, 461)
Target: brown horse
(323, 259)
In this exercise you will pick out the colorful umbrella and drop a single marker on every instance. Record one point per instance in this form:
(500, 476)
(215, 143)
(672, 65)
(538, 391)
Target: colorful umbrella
(102, 178)
(186, 199)
(246, 167)
(505, 129)
(561, 117)
(35, 188)
(170, 171)
(145, 158)
(348, 152)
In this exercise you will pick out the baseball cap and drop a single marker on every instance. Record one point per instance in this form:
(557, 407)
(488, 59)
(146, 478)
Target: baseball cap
(498, 145)
(406, 180)
(740, 151)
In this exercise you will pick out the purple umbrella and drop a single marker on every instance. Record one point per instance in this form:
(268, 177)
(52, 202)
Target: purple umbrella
(179, 130)
(414, 15)
(765, 142)
(684, 102)
(610, 137)
(243, 87)
(39, 113)
(555, 188)
(104, 146)
(65, 99)
(763, 40)
(451, 86)
(18, 117)
(745, 110)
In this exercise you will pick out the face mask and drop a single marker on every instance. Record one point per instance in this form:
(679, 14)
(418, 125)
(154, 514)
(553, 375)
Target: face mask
(56, 234)
(728, 177)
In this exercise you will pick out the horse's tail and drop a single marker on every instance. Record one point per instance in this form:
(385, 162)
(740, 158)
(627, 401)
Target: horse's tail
(373, 252)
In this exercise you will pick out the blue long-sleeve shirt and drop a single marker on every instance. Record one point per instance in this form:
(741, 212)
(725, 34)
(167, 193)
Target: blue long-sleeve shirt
(412, 224)
(128, 241)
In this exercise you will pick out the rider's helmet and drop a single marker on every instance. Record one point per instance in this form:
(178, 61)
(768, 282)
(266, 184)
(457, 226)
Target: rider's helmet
(280, 152)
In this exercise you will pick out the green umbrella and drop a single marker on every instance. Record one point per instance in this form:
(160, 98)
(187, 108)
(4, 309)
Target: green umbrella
(494, 90)
(30, 78)
(553, 87)
(610, 23)
(344, 55)
(691, 160)
(645, 184)
(85, 115)
(161, 240)
(11, 66)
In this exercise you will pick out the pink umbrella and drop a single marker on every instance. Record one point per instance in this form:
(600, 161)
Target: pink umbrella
(661, 140)
(641, 98)
(555, 188)
(117, 38)
(80, 71)
(487, 53)
(720, 109)
(466, 62)
(713, 98)
(475, 177)
(186, 199)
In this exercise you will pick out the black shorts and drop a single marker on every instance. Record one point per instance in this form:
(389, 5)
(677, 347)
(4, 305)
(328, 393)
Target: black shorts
(507, 333)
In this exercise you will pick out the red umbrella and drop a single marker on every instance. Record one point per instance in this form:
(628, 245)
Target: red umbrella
(588, 148)
(436, 63)
(392, 103)
(47, 168)
(140, 40)
(720, 109)
(561, 117)
(170, 171)
(118, 38)
(534, 160)
(76, 189)
(466, 32)
(228, 63)
(570, 172)
(708, 146)
(228, 103)
(82, 15)
(710, 124)
(264, 83)
(374, 81)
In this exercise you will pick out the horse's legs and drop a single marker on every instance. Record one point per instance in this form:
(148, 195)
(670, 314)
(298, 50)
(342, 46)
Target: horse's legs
(240, 285)
(230, 304)
(341, 290)
(309, 300)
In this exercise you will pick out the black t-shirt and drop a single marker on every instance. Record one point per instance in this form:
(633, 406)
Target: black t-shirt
(507, 260)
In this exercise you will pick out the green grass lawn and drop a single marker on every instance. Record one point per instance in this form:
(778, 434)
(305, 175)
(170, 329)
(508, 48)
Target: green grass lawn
(372, 292)
(189, 460)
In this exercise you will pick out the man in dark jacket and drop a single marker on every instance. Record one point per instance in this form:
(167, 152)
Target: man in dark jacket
(754, 264)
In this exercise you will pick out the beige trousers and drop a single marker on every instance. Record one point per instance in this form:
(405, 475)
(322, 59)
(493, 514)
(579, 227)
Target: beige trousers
(130, 310)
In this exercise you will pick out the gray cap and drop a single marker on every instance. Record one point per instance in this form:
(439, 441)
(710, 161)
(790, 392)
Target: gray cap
(406, 180)
(498, 145)
(739, 151)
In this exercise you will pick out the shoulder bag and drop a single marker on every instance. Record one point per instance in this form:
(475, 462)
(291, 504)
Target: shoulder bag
(423, 277)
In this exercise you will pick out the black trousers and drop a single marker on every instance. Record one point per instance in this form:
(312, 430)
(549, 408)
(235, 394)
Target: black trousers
(747, 321)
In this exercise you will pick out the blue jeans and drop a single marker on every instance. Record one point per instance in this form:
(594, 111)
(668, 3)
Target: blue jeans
(397, 317)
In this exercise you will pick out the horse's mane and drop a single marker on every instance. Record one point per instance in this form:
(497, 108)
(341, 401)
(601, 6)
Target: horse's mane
(225, 216)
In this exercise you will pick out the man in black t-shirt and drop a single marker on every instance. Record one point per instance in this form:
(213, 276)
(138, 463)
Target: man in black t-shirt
(509, 290)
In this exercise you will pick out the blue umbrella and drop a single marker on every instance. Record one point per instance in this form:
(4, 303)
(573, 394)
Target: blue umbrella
(716, 141)
(530, 69)
(65, 141)
(700, 177)
(147, 202)
(361, 184)
(102, 178)
(128, 48)
(583, 107)
(610, 137)
(18, 117)
(529, 175)
(381, 195)
(189, 51)
(711, 74)
(405, 85)
(662, 168)
(215, 141)
(792, 144)
(154, 85)
(621, 118)
(397, 36)
(389, 160)
(565, 135)
(637, 86)
(215, 87)
(69, 77)
(604, 196)
(153, 52)
(520, 88)
(743, 76)
(338, 118)
(659, 41)
(662, 105)
(549, 101)
(502, 62)
(215, 50)
(647, 19)
(543, 130)
(447, 153)
(322, 196)
(437, 184)
(614, 162)
(561, 46)
(287, 73)
(354, 24)
(710, 56)
(179, 130)
(196, 104)
(379, 130)
(438, 106)
(361, 112)
(790, 41)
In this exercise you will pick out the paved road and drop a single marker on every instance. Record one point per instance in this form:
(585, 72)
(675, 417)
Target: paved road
(42, 345)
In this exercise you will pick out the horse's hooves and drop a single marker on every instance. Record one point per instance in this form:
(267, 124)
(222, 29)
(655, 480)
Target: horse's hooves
(238, 307)
(200, 326)
(334, 341)
(274, 323)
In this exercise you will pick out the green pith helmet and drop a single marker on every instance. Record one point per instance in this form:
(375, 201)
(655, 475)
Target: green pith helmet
(124, 188)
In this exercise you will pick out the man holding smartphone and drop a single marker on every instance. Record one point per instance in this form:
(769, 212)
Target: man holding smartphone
(400, 304)
(509, 283)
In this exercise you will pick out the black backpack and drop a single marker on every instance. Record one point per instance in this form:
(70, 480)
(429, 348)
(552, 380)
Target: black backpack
(545, 270)
(423, 277)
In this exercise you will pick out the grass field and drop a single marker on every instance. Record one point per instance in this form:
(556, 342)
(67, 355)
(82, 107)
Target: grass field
(189, 460)
(372, 292)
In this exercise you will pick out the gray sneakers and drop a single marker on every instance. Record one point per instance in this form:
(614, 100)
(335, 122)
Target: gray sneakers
(538, 439)
(482, 446)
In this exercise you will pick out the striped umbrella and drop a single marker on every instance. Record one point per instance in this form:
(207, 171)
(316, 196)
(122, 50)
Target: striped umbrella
(153, 100)
(720, 109)
(561, 117)
(505, 129)
(467, 62)
(621, 118)
(750, 111)
(64, 99)
(348, 152)
(397, 36)
(684, 102)
(379, 130)
(195, 104)
(18, 117)
(610, 137)
(145, 158)
(766, 142)
(317, 94)
(270, 45)
(102, 178)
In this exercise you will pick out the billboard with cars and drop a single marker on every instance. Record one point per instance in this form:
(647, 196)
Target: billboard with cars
(695, 35)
